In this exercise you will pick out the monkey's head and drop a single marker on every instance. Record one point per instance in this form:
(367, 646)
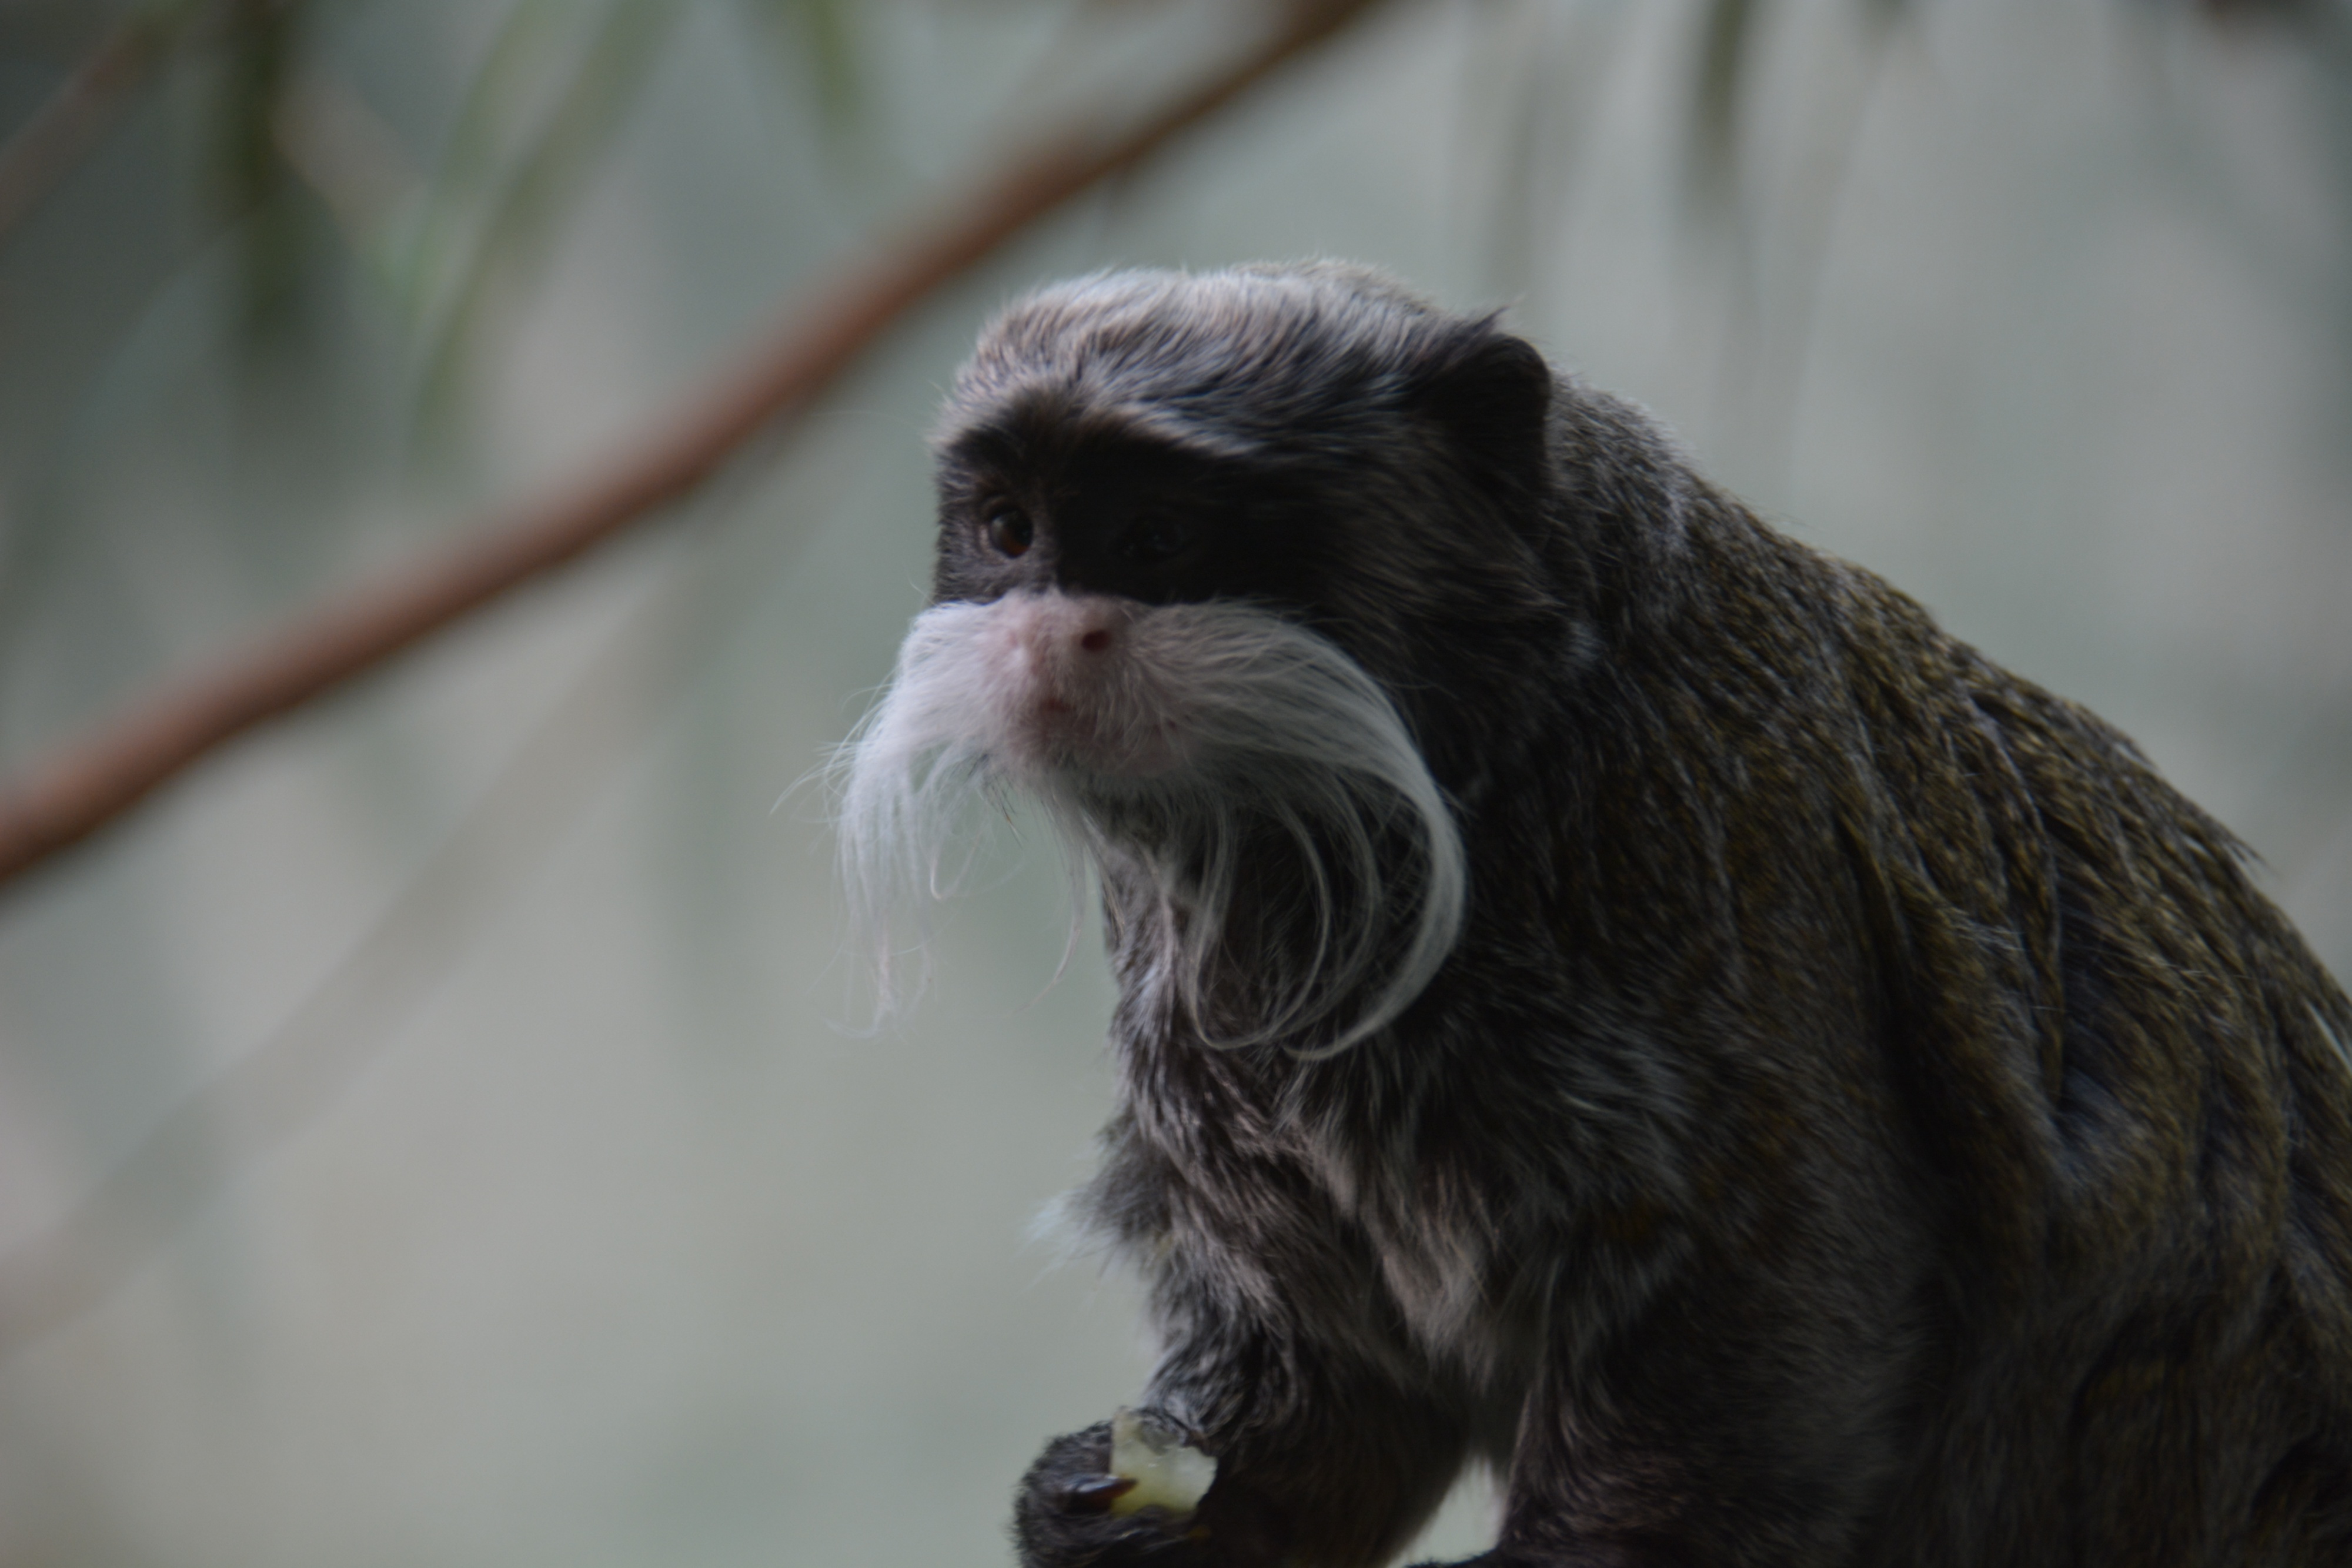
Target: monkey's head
(1237, 575)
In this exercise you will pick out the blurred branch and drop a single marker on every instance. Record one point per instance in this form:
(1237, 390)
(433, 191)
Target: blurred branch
(90, 781)
(588, 113)
(468, 160)
(261, 41)
(826, 51)
(1716, 103)
(345, 154)
(69, 124)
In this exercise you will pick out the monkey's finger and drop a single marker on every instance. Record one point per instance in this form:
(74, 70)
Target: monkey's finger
(1094, 1494)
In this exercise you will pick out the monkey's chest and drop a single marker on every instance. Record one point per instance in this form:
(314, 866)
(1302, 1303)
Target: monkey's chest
(1433, 1273)
(1440, 1279)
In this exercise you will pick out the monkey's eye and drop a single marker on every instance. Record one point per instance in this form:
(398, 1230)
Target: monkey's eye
(1010, 529)
(1156, 538)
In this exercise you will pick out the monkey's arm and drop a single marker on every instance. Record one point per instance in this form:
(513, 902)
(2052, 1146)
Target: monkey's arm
(1333, 1442)
(1333, 1478)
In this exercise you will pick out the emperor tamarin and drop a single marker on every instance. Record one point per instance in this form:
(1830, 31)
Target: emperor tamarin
(1606, 990)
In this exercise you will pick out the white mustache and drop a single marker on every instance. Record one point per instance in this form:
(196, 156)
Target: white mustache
(1163, 739)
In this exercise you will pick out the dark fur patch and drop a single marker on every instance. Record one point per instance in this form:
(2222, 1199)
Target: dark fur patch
(1869, 1116)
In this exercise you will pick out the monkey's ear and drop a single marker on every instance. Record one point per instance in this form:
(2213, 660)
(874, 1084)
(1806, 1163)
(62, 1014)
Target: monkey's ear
(1492, 393)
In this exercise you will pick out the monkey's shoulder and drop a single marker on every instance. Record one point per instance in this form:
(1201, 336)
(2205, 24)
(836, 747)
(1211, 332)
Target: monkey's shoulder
(1807, 800)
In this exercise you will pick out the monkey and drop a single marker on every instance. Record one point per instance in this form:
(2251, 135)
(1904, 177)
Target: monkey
(1605, 991)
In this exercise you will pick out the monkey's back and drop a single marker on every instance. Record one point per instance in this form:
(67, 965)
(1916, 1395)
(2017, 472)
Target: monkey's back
(2121, 1075)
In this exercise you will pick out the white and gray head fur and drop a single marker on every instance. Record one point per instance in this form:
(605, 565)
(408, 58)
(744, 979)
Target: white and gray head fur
(1227, 565)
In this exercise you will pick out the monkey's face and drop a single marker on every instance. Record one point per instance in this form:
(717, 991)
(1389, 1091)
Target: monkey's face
(1082, 542)
(1216, 555)
(1106, 642)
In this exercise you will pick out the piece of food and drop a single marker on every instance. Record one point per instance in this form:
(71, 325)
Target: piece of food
(1167, 1471)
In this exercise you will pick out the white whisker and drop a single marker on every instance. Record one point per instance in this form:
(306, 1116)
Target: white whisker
(1213, 731)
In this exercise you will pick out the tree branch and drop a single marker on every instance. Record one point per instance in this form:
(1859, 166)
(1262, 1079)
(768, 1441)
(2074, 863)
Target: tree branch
(90, 781)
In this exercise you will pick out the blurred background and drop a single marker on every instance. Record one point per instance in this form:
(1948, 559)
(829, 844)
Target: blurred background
(423, 1138)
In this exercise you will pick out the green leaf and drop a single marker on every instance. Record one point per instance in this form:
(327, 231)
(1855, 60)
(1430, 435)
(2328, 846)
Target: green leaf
(536, 190)
(816, 41)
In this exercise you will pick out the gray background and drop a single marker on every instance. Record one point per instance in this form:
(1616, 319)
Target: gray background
(535, 1213)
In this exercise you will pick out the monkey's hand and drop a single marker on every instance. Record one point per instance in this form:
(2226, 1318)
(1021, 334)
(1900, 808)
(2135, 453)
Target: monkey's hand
(1067, 1515)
